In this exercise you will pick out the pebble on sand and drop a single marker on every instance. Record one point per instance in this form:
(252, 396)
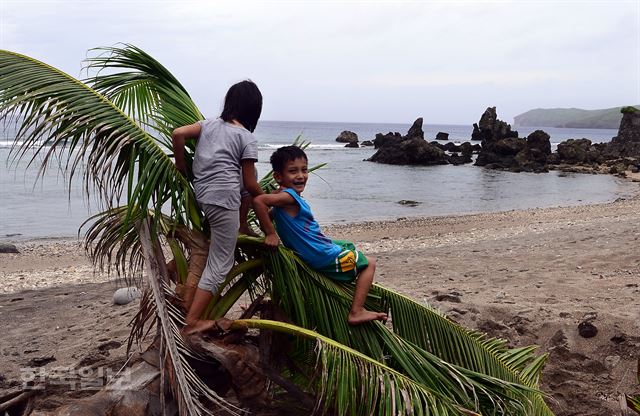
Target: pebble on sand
(125, 295)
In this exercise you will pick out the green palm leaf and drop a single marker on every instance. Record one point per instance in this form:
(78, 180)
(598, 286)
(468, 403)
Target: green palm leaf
(313, 301)
(142, 87)
(111, 241)
(59, 115)
(426, 327)
(350, 383)
(633, 402)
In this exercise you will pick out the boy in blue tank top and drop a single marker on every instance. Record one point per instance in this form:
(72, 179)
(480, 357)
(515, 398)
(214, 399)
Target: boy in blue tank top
(300, 232)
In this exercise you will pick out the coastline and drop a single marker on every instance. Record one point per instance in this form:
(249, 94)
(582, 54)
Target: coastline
(529, 276)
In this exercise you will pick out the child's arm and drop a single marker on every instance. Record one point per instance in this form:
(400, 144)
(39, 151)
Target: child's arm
(179, 136)
(249, 177)
(261, 205)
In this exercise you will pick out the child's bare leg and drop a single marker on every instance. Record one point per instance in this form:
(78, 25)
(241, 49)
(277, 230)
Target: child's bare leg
(245, 204)
(194, 323)
(358, 314)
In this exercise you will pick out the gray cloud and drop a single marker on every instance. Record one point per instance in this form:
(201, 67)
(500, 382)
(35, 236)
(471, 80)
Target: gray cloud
(359, 61)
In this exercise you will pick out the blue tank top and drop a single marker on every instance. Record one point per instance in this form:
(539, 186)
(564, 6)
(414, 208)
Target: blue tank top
(302, 234)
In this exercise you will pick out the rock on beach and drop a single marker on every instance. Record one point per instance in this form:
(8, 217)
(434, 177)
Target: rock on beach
(8, 248)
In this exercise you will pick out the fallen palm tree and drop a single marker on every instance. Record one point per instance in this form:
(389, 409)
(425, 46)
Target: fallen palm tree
(292, 351)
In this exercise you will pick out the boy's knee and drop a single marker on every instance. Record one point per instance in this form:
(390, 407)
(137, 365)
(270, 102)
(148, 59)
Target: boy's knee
(372, 262)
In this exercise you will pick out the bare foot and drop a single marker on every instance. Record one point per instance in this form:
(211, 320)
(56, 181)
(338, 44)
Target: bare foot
(357, 318)
(199, 326)
(223, 324)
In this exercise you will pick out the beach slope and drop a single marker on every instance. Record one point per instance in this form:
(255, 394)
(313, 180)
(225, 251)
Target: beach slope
(529, 276)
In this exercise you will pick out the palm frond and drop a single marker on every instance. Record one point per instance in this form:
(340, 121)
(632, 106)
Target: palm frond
(188, 388)
(426, 327)
(633, 403)
(350, 383)
(313, 301)
(142, 87)
(110, 241)
(60, 116)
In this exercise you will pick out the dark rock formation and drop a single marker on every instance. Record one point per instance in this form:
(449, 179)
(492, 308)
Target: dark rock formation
(509, 146)
(8, 248)
(416, 130)
(449, 147)
(352, 144)
(491, 128)
(462, 159)
(467, 147)
(500, 154)
(442, 136)
(411, 149)
(627, 142)
(410, 152)
(616, 157)
(629, 130)
(502, 148)
(366, 143)
(476, 134)
(382, 139)
(454, 158)
(499, 144)
(538, 142)
(577, 151)
(533, 158)
(347, 137)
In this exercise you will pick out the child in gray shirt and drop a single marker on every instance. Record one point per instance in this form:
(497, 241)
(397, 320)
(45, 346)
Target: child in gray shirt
(224, 170)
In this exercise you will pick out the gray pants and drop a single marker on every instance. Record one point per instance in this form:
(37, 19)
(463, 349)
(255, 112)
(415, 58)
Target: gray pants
(224, 225)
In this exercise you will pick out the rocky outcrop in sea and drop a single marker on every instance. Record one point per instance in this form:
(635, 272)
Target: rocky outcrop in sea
(410, 149)
(620, 155)
(348, 137)
(490, 128)
(501, 148)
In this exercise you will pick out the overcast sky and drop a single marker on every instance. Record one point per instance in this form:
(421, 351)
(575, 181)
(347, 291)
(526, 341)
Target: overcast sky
(369, 61)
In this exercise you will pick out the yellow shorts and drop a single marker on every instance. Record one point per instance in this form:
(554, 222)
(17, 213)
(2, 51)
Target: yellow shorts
(349, 263)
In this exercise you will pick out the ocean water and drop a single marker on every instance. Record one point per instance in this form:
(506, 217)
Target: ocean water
(348, 189)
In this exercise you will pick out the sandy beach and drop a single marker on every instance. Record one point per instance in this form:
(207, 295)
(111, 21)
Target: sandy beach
(528, 276)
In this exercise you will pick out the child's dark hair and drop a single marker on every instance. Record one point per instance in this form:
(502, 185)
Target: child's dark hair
(285, 154)
(243, 102)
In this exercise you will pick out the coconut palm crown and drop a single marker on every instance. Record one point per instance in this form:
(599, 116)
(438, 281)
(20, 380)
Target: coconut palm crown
(114, 128)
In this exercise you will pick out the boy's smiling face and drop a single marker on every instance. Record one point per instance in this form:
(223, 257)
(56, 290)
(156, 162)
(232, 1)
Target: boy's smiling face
(294, 175)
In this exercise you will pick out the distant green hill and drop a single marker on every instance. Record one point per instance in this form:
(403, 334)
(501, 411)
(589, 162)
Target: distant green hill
(570, 117)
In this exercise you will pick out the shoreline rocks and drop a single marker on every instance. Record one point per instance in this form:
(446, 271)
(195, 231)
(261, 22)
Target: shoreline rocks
(8, 248)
